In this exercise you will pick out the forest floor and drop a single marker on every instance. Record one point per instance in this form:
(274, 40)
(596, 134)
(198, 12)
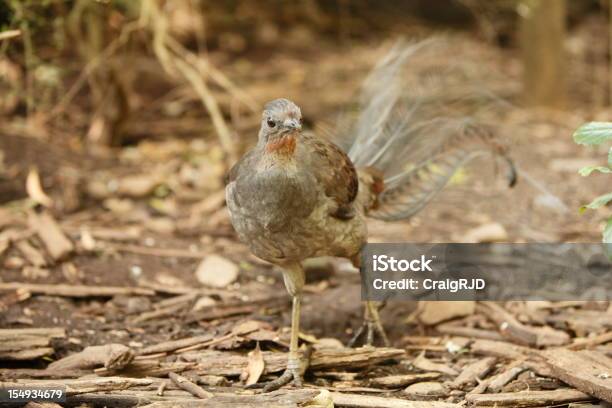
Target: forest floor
(137, 255)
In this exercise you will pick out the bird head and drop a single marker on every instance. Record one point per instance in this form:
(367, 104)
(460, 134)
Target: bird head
(280, 118)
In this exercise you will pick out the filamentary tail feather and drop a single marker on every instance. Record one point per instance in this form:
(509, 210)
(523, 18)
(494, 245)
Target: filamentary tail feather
(418, 141)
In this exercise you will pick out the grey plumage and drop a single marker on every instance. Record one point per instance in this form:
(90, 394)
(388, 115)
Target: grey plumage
(296, 196)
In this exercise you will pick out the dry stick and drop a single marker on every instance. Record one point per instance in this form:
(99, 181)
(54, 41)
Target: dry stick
(469, 332)
(216, 75)
(34, 256)
(587, 371)
(190, 387)
(474, 372)
(161, 388)
(112, 356)
(171, 310)
(52, 236)
(12, 298)
(174, 345)
(76, 290)
(518, 332)
(398, 381)
(151, 14)
(183, 399)
(206, 344)
(28, 344)
(24, 373)
(91, 66)
(496, 382)
(210, 103)
(147, 368)
(85, 385)
(557, 397)
(161, 252)
(232, 364)
(369, 401)
(6, 35)
(580, 344)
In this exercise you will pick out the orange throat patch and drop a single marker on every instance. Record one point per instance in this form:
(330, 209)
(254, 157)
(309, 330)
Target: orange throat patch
(284, 146)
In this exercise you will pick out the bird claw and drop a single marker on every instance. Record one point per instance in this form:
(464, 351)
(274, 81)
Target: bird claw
(371, 323)
(371, 329)
(288, 375)
(296, 366)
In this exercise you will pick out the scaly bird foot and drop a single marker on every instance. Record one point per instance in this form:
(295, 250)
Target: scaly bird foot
(284, 379)
(296, 366)
(372, 325)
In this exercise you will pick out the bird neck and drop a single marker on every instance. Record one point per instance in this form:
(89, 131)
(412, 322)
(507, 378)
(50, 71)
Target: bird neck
(283, 146)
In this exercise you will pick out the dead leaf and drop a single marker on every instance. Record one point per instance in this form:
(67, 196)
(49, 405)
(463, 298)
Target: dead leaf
(491, 232)
(422, 363)
(248, 326)
(323, 400)
(88, 242)
(216, 271)
(202, 302)
(435, 312)
(35, 190)
(140, 185)
(256, 366)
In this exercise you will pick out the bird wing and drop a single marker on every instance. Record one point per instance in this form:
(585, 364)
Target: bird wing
(333, 170)
(244, 161)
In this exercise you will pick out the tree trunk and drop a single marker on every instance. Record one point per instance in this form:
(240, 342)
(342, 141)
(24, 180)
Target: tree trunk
(542, 35)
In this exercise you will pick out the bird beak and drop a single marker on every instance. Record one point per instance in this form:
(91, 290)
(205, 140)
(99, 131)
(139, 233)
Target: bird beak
(293, 124)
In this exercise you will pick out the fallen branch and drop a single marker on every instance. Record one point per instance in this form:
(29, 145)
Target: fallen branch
(8, 34)
(517, 332)
(85, 385)
(161, 252)
(232, 364)
(28, 344)
(369, 401)
(147, 368)
(52, 236)
(501, 349)
(13, 298)
(111, 356)
(399, 381)
(284, 398)
(76, 290)
(190, 387)
(584, 343)
(174, 345)
(587, 371)
(474, 372)
(498, 382)
(32, 254)
(528, 398)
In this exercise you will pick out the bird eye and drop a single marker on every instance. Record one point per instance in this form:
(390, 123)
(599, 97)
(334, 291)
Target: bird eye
(271, 123)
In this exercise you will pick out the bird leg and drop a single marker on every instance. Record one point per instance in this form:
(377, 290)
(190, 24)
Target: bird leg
(371, 317)
(371, 324)
(294, 281)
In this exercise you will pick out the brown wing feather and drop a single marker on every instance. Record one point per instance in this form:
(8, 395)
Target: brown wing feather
(335, 171)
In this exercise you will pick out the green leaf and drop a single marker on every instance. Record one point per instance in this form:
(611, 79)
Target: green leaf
(607, 239)
(607, 234)
(585, 171)
(593, 133)
(610, 158)
(598, 202)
